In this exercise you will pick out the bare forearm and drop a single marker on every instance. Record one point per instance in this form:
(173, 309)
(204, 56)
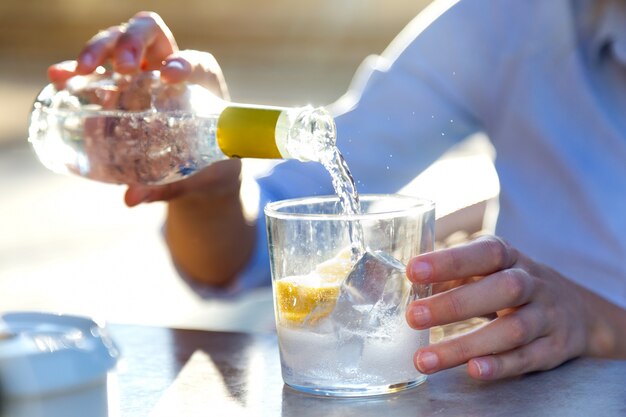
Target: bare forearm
(209, 237)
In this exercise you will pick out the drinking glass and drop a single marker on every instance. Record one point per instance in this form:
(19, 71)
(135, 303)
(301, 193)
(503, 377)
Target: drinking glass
(340, 304)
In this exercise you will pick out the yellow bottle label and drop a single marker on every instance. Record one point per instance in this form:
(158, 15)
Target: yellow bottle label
(248, 132)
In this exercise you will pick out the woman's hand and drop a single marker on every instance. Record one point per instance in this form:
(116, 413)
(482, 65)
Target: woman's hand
(207, 230)
(144, 43)
(542, 319)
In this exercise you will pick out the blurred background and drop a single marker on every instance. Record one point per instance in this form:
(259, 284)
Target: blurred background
(70, 245)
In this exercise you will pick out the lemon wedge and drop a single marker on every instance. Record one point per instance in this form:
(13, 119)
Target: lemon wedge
(306, 299)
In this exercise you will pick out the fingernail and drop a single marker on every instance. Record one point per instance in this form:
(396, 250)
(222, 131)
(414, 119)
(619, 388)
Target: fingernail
(421, 316)
(175, 65)
(87, 60)
(483, 366)
(421, 271)
(126, 58)
(427, 361)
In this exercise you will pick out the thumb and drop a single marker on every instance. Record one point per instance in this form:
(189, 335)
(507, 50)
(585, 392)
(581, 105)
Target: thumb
(137, 194)
(222, 177)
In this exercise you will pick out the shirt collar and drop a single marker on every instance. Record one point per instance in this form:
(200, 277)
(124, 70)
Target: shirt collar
(609, 27)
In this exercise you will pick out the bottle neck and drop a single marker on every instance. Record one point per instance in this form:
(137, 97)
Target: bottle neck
(305, 133)
(273, 132)
(248, 132)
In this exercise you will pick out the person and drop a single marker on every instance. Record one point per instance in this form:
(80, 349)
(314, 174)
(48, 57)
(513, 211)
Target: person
(546, 81)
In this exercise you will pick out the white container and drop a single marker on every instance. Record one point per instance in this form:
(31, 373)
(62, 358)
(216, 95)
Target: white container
(54, 365)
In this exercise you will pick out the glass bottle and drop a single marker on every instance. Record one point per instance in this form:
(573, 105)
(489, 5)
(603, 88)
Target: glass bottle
(138, 130)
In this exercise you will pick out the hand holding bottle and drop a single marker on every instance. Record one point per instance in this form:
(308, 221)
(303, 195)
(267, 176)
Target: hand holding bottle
(206, 204)
(144, 43)
(133, 126)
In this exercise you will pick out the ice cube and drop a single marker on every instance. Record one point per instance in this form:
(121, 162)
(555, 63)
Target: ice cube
(370, 298)
(376, 284)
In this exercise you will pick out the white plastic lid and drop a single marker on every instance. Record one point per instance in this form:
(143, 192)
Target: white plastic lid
(43, 353)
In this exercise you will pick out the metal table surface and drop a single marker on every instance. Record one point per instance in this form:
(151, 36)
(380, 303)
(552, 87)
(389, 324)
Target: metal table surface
(167, 372)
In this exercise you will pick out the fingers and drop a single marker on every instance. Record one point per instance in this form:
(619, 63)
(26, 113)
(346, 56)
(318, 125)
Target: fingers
(482, 256)
(61, 71)
(196, 67)
(176, 69)
(137, 194)
(145, 42)
(98, 50)
(504, 334)
(141, 44)
(538, 355)
(217, 179)
(539, 323)
(496, 292)
(95, 53)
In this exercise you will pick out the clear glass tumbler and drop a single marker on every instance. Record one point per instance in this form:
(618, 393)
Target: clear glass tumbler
(340, 315)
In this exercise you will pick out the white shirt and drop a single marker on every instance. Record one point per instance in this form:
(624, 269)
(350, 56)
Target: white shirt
(545, 80)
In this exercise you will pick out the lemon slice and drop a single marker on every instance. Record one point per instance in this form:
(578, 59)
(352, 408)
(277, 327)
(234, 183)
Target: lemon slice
(306, 299)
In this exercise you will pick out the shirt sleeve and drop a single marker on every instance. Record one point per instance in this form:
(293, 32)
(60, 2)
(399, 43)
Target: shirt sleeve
(427, 92)
(404, 108)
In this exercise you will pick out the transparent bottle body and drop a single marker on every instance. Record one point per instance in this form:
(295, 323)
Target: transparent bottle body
(141, 131)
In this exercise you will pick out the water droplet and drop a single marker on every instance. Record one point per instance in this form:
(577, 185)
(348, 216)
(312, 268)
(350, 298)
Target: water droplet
(453, 72)
(432, 117)
(443, 134)
(451, 121)
(387, 167)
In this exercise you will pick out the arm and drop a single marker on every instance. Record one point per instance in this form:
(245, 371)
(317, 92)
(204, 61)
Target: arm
(395, 104)
(207, 232)
(427, 92)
